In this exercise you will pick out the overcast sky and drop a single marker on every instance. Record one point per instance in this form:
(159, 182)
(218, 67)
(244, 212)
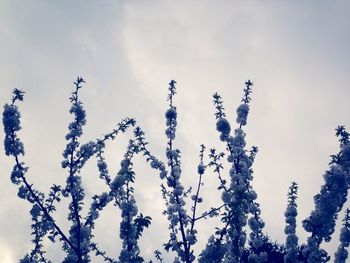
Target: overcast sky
(296, 52)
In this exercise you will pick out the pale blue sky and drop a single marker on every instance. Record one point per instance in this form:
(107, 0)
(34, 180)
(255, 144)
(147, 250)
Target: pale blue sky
(296, 53)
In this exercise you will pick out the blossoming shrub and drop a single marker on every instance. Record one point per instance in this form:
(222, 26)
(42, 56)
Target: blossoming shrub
(240, 237)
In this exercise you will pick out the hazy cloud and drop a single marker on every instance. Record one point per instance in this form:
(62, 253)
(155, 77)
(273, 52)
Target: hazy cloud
(296, 53)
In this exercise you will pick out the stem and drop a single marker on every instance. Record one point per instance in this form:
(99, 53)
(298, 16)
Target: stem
(196, 201)
(182, 229)
(37, 248)
(98, 252)
(74, 202)
(222, 181)
(38, 202)
(195, 207)
(208, 213)
(129, 247)
(42, 207)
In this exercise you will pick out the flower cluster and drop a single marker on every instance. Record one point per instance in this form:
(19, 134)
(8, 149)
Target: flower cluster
(256, 235)
(239, 196)
(290, 229)
(242, 114)
(342, 254)
(171, 113)
(74, 159)
(328, 203)
(175, 194)
(11, 121)
(171, 122)
(243, 109)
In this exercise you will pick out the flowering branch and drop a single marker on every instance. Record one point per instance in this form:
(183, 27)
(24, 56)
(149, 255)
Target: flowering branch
(328, 203)
(14, 147)
(341, 254)
(290, 229)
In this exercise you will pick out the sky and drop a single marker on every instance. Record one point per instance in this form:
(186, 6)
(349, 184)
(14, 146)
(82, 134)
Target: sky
(296, 53)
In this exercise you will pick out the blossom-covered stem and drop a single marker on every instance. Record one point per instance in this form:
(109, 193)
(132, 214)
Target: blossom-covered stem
(242, 111)
(128, 200)
(121, 127)
(14, 147)
(42, 207)
(215, 161)
(196, 198)
(75, 157)
(341, 254)
(72, 169)
(131, 227)
(329, 202)
(222, 181)
(54, 195)
(129, 245)
(182, 227)
(183, 235)
(123, 199)
(101, 253)
(75, 206)
(100, 147)
(37, 240)
(172, 92)
(240, 195)
(99, 202)
(196, 202)
(290, 229)
(164, 195)
(155, 163)
(102, 164)
(174, 162)
(256, 225)
(200, 170)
